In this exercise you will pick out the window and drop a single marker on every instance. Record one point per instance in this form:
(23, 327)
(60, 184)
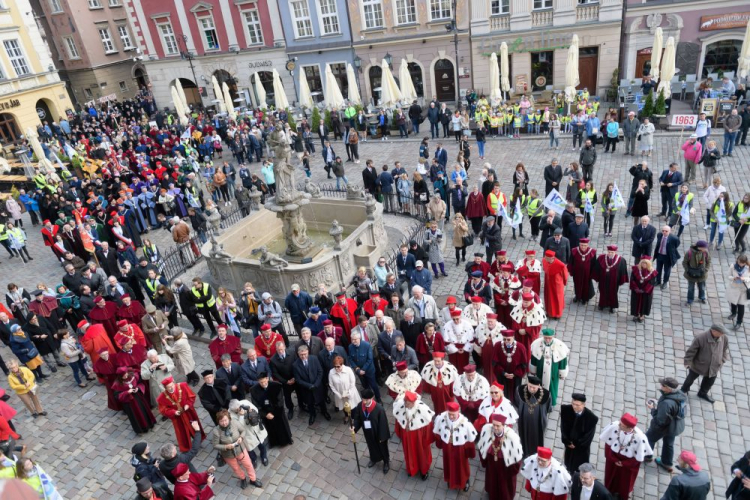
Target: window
(406, 12)
(722, 55)
(95, 4)
(376, 78)
(329, 17)
(500, 7)
(440, 9)
(210, 38)
(70, 48)
(122, 30)
(342, 80)
(123, 86)
(416, 78)
(17, 59)
(2, 74)
(373, 10)
(542, 4)
(115, 3)
(312, 74)
(55, 6)
(109, 47)
(581, 2)
(301, 19)
(87, 93)
(541, 70)
(252, 27)
(168, 40)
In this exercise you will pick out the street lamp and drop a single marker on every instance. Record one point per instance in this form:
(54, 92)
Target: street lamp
(358, 63)
(186, 54)
(291, 64)
(453, 27)
(388, 59)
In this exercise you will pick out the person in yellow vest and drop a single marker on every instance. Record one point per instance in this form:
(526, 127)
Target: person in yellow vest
(205, 300)
(17, 241)
(152, 283)
(40, 181)
(585, 94)
(494, 125)
(508, 122)
(517, 124)
(501, 122)
(588, 193)
(5, 239)
(741, 215)
(517, 196)
(684, 196)
(719, 219)
(530, 121)
(494, 199)
(534, 211)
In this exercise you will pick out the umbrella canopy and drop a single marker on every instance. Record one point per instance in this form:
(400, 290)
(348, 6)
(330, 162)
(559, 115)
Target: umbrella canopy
(408, 92)
(656, 53)
(351, 79)
(495, 93)
(180, 109)
(571, 73)
(181, 93)
(36, 146)
(279, 94)
(667, 69)
(744, 66)
(219, 94)
(389, 92)
(305, 99)
(228, 103)
(260, 92)
(331, 90)
(504, 68)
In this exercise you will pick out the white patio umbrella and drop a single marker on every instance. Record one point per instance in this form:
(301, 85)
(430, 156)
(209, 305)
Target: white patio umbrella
(408, 92)
(656, 53)
(495, 92)
(331, 90)
(744, 67)
(44, 164)
(228, 101)
(504, 69)
(181, 93)
(260, 92)
(571, 73)
(667, 69)
(389, 92)
(179, 108)
(219, 95)
(279, 94)
(351, 79)
(305, 99)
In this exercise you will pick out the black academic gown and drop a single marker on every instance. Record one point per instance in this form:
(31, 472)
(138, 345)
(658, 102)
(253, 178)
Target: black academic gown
(377, 435)
(215, 398)
(532, 419)
(578, 431)
(271, 400)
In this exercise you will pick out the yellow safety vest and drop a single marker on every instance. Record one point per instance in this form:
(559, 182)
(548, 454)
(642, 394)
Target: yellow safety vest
(533, 207)
(677, 206)
(728, 206)
(152, 284)
(494, 200)
(517, 121)
(3, 233)
(741, 209)
(200, 294)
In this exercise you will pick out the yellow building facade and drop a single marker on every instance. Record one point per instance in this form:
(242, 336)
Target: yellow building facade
(31, 91)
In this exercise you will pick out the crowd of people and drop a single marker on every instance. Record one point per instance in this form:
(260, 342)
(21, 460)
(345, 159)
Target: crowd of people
(479, 376)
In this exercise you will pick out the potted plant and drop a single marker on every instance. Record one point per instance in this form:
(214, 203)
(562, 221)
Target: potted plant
(660, 112)
(614, 86)
(648, 106)
(315, 118)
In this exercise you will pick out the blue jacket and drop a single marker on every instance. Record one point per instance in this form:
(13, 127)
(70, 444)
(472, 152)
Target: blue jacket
(298, 306)
(29, 202)
(442, 156)
(422, 278)
(385, 181)
(405, 269)
(315, 326)
(250, 374)
(591, 124)
(360, 358)
(675, 180)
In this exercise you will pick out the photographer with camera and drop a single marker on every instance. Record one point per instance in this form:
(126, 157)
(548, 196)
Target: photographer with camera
(193, 485)
(229, 441)
(246, 415)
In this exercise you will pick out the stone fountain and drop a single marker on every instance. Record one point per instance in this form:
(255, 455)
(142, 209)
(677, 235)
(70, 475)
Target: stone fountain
(298, 237)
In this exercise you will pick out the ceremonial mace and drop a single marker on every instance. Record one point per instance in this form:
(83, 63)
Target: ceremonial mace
(348, 418)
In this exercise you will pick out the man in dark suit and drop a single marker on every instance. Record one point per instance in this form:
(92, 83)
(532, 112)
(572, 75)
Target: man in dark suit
(72, 279)
(369, 178)
(548, 225)
(406, 264)
(386, 342)
(252, 367)
(643, 236)
(552, 176)
(282, 370)
(231, 374)
(410, 328)
(214, 394)
(577, 426)
(665, 255)
(441, 155)
(566, 219)
(326, 360)
(577, 230)
(670, 181)
(187, 306)
(308, 373)
(560, 245)
(108, 259)
(313, 344)
(586, 478)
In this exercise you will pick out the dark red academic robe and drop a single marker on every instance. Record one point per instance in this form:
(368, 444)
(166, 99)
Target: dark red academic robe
(106, 371)
(133, 359)
(426, 346)
(611, 274)
(441, 395)
(620, 480)
(486, 360)
(133, 313)
(555, 279)
(581, 267)
(335, 335)
(135, 405)
(524, 273)
(495, 267)
(417, 448)
(456, 469)
(106, 316)
(191, 489)
(503, 307)
(641, 291)
(170, 404)
(469, 409)
(518, 366)
(345, 316)
(500, 480)
(532, 333)
(230, 345)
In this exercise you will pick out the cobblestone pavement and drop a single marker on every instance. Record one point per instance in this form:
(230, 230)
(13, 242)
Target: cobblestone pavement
(615, 361)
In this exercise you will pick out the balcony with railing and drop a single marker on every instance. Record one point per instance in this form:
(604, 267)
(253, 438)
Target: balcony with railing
(587, 13)
(27, 82)
(541, 18)
(500, 23)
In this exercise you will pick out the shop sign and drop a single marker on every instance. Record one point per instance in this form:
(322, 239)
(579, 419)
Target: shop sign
(724, 21)
(13, 103)
(260, 64)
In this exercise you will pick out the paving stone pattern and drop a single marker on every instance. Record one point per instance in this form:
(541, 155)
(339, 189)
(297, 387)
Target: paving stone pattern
(616, 362)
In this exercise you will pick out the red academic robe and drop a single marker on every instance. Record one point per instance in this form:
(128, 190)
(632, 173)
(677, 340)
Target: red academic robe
(133, 359)
(538, 495)
(345, 316)
(610, 274)
(335, 335)
(641, 291)
(500, 480)
(107, 371)
(135, 405)
(106, 316)
(425, 347)
(170, 404)
(191, 489)
(620, 480)
(369, 307)
(482, 266)
(581, 267)
(95, 339)
(230, 345)
(267, 348)
(441, 395)
(495, 267)
(524, 273)
(503, 307)
(518, 366)
(417, 448)
(133, 313)
(469, 409)
(456, 469)
(532, 333)
(135, 334)
(555, 279)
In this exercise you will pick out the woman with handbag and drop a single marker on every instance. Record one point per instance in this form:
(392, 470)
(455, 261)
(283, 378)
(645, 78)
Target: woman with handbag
(229, 441)
(575, 183)
(26, 352)
(461, 237)
(23, 383)
(421, 193)
(165, 302)
(181, 353)
(710, 160)
(646, 137)
(75, 357)
(738, 290)
(247, 417)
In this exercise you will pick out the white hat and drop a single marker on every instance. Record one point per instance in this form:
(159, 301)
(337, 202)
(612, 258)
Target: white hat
(694, 136)
(419, 264)
(265, 296)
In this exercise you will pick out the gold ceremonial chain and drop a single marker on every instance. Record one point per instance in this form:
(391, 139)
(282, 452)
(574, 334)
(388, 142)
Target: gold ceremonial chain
(496, 449)
(532, 406)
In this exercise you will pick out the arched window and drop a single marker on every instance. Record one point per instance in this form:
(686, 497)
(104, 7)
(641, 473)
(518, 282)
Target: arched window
(416, 77)
(376, 78)
(722, 55)
(339, 73)
(445, 80)
(9, 131)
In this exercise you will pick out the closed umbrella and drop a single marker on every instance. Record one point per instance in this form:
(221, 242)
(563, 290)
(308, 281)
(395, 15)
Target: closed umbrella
(279, 94)
(571, 73)
(44, 164)
(228, 101)
(181, 93)
(389, 93)
(260, 92)
(179, 108)
(351, 78)
(219, 95)
(667, 69)
(744, 66)
(504, 69)
(656, 53)
(408, 92)
(331, 90)
(495, 92)
(305, 99)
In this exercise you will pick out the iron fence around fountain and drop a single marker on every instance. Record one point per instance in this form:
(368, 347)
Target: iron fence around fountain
(404, 205)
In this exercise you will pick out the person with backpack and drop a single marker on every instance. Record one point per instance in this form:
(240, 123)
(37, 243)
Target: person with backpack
(696, 263)
(667, 421)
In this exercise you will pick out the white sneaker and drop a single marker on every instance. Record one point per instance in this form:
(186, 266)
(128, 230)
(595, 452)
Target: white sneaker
(707, 226)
